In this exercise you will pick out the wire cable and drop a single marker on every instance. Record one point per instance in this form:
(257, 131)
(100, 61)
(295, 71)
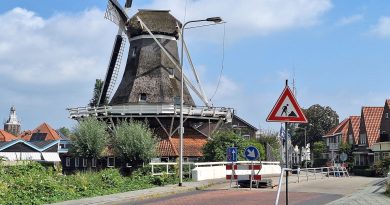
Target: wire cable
(222, 63)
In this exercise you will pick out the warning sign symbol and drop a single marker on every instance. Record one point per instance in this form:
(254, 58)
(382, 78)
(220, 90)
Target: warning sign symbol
(286, 109)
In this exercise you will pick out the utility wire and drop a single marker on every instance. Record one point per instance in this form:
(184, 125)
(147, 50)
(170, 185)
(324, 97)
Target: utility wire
(222, 63)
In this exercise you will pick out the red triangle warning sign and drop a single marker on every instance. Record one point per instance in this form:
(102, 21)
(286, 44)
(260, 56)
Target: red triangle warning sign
(287, 109)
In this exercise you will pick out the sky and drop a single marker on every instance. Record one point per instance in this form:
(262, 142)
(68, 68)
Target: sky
(336, 52)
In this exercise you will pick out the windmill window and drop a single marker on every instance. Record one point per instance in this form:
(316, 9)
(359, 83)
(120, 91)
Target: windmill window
(142, 97)
(171, 72)
(134, 52)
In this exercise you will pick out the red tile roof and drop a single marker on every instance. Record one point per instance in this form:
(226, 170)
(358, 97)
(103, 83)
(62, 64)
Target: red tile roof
(372, 120)
(193, 145)
(342, 128)
(43, 128)
(5, 136)
(355, 122)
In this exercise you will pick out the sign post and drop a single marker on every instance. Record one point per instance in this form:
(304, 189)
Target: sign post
(286, 109)
(231, 156)
(251, 153)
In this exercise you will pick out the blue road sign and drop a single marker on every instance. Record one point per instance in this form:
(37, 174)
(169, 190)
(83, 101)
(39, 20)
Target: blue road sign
(251, 153)
(231, 154)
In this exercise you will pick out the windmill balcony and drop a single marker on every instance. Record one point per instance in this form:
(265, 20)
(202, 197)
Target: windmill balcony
(151, 109)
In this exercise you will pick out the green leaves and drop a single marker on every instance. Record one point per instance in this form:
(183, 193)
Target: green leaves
(134, 142)
(89, 138)
(215, 149)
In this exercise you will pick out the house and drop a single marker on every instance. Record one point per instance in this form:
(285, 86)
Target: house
(14, 149)
(369, 133)
(335, 137)
(381, 147)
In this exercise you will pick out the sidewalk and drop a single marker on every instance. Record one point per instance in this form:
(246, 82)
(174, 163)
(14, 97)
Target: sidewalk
(144, 194)
(371, 195)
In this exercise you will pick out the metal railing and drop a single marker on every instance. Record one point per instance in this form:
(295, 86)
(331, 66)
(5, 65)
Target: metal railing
(321, 172)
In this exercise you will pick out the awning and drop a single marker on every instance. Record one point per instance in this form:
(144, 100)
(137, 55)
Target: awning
(14, 156)
(51, 156)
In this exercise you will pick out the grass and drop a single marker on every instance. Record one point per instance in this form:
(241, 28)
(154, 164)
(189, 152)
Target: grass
(32, 183)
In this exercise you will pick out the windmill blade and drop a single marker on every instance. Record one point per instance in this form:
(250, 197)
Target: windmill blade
(116, 13)
(113, 69)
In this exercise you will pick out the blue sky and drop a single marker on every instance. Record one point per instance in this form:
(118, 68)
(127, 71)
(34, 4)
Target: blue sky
(51, 52)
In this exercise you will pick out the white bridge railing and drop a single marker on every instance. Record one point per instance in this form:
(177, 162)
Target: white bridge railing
(188, 167)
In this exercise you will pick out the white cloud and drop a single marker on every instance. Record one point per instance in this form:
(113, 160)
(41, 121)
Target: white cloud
(382, 28)
(350, 19)
(251, 17)
(59, 49)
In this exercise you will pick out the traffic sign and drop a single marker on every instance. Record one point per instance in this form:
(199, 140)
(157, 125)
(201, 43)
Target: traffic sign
(286, 109)
(251, 153)
(231, 154)
(343, 157)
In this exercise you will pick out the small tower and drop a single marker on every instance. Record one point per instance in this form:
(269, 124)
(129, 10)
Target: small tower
(12, 125)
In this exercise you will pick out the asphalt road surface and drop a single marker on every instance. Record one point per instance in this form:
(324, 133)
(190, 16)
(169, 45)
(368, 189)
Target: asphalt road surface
(316, 192)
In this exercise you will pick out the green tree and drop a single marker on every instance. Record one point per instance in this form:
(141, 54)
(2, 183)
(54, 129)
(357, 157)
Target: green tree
(271, 138)
(65, 131)
(89, 138)
(319, 148)
(96, 93)
(134, 142)
(321, 119)
(346, 148)
(215, 149)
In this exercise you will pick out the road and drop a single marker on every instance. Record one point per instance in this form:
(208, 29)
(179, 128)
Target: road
(320, 191)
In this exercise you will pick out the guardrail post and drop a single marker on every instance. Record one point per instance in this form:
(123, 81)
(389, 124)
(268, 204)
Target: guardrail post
(167, 169)
(307, 175)
(152, 170)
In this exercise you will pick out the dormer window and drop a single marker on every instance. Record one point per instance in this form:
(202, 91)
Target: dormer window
(387, 115)
(142, 97)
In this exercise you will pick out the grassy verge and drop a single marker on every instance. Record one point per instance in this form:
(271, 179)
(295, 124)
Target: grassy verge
(33, 184)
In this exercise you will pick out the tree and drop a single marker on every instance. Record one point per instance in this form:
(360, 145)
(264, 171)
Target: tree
(96, 93)
(271, 139)
(89, 138)
(320, 121)
(134, 142)
(319, 148)
(215, 149)
(65, 131)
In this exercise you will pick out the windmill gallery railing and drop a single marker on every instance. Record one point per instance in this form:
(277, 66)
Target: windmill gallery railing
(140, 109)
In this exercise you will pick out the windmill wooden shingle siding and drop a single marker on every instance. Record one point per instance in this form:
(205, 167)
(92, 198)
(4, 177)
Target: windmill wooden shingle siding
(149, 76)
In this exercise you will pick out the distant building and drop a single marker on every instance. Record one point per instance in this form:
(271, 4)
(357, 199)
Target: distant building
(12, 125)
(368, 134)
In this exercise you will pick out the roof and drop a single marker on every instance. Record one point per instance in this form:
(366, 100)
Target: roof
(341, 128)
(372, 120)
(43, 132)
(193, 146)
(158, 21)
(6, 137)
(38, 147)
(388, 102)
(355, 123)
(245, 122)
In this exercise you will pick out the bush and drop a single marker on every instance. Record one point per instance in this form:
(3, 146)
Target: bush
(31, 183)
(364, 172)
(382, 167)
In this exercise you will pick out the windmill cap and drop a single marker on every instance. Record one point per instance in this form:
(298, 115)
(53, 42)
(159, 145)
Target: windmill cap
(158, 21)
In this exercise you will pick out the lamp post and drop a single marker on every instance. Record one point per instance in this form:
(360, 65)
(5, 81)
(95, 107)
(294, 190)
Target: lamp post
(211, 19)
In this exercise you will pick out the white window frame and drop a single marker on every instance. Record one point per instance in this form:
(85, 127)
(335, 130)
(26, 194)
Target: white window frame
(140, 97)
(350, 139)
(67, 161)
(108, 161)
(128, 165)
(76, 162)
(134, 52)
(85, 162)
(387, 115)
(93, 164)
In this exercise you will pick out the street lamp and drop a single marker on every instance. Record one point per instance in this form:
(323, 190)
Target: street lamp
(211, 19)
(305, 128)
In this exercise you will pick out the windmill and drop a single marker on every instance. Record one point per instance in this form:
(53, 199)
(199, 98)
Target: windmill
(150, 87)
